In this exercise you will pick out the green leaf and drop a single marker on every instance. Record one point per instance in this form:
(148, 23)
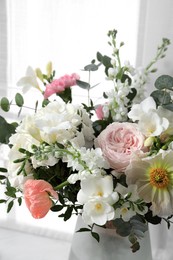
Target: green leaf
(45, 102)
(61, 199)
(19, 201)
(66, 95)
(2, 177)
(83, 84)
(56, 208)
(164, 82)
(19, 100)
(6, 130)
(10, 205)
(3, 201)
(126, 77)
(161, 97)
(68, 213)
(132, 94)
(3, 169)
(91, 67)
(11, 191)
(99, 56)
(122, 228)
(168, 106)
(135, 247)
(96, 236)
(5, 104)
(83, 230)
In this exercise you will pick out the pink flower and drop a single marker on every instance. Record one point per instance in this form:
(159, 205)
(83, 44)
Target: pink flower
(59, 85)
(36, 195)
(99, 112)
(119, 142)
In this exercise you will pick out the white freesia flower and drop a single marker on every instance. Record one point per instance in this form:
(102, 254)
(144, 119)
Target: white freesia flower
(150, 121)
(144, 107)
(99, 187)
(97, 211)
(98, 196)
(152, 124)
(30, 80)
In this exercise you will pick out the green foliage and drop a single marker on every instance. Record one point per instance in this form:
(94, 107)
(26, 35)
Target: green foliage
(95, 235)
(5, 104)
(152, 219)
(19, 100)
(6, 130)
(3, 169)
(133, 229)
(66, 95)
(162, 95)
(105, 60)
(83, 84)
(91, 67)
(164, 82)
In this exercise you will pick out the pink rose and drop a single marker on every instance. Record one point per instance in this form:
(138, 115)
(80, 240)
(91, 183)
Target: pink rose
(37, 197)
(59, 85)
(119, 141)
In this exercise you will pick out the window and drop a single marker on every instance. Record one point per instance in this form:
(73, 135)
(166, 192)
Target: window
(69, 33)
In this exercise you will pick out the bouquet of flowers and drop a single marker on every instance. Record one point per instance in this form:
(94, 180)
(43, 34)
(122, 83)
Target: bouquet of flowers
(110, 163)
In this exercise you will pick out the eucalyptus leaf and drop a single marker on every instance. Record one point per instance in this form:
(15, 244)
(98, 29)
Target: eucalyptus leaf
(91, 67)
(83, 84)
(19, 100)
(164, 82)
(5, 104)
(122, 228)
(168, 106)
(161, 97)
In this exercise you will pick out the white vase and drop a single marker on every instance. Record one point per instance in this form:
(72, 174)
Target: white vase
(110, 247)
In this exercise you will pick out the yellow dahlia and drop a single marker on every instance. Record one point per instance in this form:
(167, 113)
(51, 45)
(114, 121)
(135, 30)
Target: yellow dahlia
(154, 179)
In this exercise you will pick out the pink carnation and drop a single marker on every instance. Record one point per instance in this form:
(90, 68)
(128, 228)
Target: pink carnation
(36, 195)
(59, 85)
(119, 142)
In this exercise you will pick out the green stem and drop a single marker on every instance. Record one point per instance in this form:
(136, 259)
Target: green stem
(60, 186)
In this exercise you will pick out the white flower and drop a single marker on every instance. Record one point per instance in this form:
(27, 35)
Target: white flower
(125, 212)
(112, 72)
(30, 80)
(144, 107)
(98, 187)
(130, 191)
(150, 120)
(97, 211)
(152, 124)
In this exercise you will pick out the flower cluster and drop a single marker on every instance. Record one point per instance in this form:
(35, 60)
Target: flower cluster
(116, 168)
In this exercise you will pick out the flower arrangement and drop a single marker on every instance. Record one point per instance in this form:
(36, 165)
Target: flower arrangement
(114, 168)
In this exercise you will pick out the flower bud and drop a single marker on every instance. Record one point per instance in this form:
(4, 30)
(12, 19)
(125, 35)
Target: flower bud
(49, 68)
(39, 74)
(149, 141)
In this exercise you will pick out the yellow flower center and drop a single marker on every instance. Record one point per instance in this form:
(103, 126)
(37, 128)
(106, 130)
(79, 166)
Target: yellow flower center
(100, 193)
(98, 206)
(159, 178)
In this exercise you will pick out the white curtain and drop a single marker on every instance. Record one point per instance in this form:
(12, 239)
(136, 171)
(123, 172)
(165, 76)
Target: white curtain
(69, 33)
